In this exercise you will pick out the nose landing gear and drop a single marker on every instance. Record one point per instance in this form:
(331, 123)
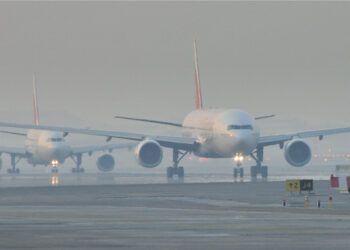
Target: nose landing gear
(238, 171)
(54, 170)
(54, 166)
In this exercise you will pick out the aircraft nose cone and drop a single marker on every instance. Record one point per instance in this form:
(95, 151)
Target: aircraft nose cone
(58, 152)
(244, 142)
(55, 152)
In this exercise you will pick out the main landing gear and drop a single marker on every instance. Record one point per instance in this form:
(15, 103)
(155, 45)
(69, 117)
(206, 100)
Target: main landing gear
(78, 161)
(175, 169)
(258, 169)
(13, 169)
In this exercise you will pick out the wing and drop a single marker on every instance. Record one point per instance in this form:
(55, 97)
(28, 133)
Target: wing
(173, 124)
(16, 151)
(183, 143)
(109, 147)
(148, 120)
(280, 139)
(12, 133)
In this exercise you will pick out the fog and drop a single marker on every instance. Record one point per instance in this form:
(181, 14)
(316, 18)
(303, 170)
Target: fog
(95, 60)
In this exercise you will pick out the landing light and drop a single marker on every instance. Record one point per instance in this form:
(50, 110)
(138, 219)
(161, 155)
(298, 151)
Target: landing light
(238, 158)
(54, 163)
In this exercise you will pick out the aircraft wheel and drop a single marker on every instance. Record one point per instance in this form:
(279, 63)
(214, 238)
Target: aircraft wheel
(264, 172)
(181, 172)
(253, 171)
(170, 172)
(241, 172)
(9, 170)
(235, 172)
(82, 170)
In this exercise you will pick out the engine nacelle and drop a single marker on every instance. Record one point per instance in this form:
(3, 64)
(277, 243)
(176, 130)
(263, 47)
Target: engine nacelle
(105, 163)
(149, 153)
(297, 153)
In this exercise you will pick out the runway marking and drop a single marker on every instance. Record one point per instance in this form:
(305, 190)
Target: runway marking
(141, 195)
(179, 224)
(79, 218)
(278, 230)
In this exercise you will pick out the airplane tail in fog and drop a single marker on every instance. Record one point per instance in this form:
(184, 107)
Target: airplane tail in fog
(35, 103)
(199, 104)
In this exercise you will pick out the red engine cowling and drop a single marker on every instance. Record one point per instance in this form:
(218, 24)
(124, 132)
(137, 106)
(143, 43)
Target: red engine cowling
(105, 163)
(297, 153)
(149, 153)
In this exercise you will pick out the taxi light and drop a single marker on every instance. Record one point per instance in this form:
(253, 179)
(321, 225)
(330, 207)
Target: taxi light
(54, 163)
(238, 158)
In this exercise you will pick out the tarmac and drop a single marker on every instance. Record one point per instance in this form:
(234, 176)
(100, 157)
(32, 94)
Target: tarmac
(241, 215)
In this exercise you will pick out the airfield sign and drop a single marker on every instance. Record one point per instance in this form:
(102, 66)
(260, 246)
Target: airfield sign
(297, 185)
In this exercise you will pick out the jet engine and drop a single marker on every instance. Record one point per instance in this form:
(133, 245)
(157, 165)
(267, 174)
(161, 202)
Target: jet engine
(149, 153)
(297, 153)
(105, 163)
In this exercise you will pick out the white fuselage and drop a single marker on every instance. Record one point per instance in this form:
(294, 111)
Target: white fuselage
(46, 147)
(222, 133)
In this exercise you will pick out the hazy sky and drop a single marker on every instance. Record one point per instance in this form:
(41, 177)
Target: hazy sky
(95, 60)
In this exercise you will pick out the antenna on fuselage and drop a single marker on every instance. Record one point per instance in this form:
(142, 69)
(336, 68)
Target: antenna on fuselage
(199, 104)
(35, 103)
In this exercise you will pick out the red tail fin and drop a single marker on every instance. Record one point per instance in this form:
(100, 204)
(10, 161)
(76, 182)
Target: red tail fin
(35, 102)
(199, 104)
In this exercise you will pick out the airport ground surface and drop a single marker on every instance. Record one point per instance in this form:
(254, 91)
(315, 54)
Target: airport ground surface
(226, 215)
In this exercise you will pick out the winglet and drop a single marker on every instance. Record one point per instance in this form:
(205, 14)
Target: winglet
(35, 102)
(199, 104)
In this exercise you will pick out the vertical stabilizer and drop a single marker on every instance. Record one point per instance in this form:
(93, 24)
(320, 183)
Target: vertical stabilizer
(35, 102)
(199, 104)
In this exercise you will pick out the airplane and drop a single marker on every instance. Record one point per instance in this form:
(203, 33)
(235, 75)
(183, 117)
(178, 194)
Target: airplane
(209, 133)
(46, 147)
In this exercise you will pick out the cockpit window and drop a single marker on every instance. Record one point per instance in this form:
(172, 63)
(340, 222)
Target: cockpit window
(55, 139)
(230, 127)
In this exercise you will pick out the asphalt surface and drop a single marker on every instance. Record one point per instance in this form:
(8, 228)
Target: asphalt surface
(238, 215)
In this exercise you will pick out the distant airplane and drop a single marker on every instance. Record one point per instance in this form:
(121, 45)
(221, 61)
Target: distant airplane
(45, 147)
(209, 133)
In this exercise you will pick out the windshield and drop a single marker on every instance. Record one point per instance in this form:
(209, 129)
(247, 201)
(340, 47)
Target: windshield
(230, 127)
(55, 139)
